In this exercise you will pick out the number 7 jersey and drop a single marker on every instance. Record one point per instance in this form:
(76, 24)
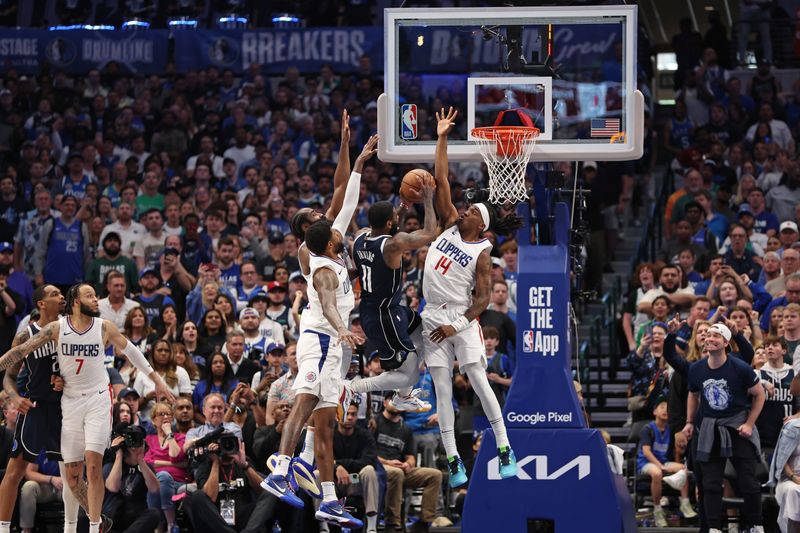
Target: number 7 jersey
(450, 269)
(81, 357)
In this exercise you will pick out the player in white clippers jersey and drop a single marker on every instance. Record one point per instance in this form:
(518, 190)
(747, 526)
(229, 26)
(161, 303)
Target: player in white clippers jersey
(458, 261)
(319, 379)
(340, 213)
(80, 339)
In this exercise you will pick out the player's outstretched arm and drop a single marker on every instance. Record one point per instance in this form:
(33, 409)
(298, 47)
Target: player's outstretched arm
(10, 379)
(444, 203)
(342, 170)
(18, 353)
(112, 335)
(480, 301)
(325, 283)
(351, 194)
(403, 241)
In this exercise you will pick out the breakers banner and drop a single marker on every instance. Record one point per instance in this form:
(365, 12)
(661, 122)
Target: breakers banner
(77, 52)
(276, 50)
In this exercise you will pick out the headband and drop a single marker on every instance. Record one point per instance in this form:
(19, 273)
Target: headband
(484, 215)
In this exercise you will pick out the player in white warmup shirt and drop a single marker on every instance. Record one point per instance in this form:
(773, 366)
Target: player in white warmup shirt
(319, 379)
(81, 337)
(458, 261)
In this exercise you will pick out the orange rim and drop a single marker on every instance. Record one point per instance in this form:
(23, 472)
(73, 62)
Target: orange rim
(506, 137)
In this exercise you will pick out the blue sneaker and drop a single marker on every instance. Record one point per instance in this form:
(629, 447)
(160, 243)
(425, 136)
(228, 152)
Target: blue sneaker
(458, 474)
(335, 513)
(508, 462)
(279, 487)
(304, 476)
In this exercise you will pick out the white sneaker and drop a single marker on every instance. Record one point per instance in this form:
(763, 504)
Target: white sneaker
(757, 529)
(677, 480)
(658, 516)
(714, 530)
(664, 502)
(411, 403)
(733, 528)
(687, 510)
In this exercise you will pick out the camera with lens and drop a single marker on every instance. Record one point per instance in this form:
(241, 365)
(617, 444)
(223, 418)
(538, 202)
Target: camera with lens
(474, 196)
(227, 442)
(133, 436)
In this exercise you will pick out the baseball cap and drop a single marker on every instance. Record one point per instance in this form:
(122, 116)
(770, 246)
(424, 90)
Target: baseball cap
(590, 164)
(275, 346)
(149, 270)
(744, 209)
(496, 261)
(248, 311)
(128, 391)
(276, 237)
(258, 297)
(274, 285)
(73, 155)
(112, 235)
(6, 247)
(721, 329)
(372, 354)
(788, 225)
(5, 92)
(296, 276)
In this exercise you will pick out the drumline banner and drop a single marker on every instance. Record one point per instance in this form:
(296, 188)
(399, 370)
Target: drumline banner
(78, 51)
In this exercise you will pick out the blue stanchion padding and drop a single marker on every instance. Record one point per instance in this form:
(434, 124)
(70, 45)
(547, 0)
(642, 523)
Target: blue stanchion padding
(563, 473)
(563, 477)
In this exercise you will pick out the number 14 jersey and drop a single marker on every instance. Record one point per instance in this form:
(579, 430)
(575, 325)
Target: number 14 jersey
(450, 269)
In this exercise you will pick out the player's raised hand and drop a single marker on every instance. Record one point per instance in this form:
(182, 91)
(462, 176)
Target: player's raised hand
(445, 123)
(366, 153)
(345, 128)
(349, 338)
(442, 332)
(675, 324)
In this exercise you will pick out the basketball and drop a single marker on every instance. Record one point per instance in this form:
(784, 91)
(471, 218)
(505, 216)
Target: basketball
(411, 186)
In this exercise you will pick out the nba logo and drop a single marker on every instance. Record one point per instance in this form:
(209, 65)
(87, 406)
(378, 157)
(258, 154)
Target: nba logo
(408, 121)
(527, 341)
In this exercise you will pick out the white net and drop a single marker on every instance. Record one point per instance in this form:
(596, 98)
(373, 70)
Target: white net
(506, 151)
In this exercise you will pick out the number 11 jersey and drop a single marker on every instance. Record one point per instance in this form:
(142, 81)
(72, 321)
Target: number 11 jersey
(450, 269)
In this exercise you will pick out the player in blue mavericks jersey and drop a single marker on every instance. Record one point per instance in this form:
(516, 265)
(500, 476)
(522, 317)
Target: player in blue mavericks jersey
(387, 324)
(31, 385)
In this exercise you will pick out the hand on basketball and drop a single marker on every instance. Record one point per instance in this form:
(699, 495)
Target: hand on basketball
(349, 338)
(444, 122)
(22, 404)
(428, 187)
(442, 332)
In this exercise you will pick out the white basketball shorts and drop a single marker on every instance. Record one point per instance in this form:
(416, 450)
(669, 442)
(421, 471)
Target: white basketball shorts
(465, 347)
(86, 424)
(319, 363)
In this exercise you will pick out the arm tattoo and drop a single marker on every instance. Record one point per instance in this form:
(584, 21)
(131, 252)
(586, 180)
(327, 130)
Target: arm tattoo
(18, 353)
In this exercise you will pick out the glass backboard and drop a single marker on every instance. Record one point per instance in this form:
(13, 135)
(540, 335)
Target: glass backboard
(571, 69)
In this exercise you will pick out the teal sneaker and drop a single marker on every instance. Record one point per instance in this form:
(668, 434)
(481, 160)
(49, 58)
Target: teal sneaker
(458, 474)
(508, 463)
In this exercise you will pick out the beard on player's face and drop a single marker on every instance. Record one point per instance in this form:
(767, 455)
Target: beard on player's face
(88, 311)
(338, 247)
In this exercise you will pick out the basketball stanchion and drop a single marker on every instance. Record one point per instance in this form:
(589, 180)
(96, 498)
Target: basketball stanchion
(564, 482)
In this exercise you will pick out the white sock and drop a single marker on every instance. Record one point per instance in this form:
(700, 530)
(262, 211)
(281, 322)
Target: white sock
(372, 522)
(449, 441)
(70, 527)
(94, 527)
(328, 491)
(307, 454)
(5, 527)
(282, 465)
(656, 507)
(684, 499)
(499, 428)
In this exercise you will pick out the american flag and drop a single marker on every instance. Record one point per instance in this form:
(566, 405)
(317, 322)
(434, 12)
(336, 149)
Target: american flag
(604, 127)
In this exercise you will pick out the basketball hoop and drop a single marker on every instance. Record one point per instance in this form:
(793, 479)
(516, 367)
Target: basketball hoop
(506, 151)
